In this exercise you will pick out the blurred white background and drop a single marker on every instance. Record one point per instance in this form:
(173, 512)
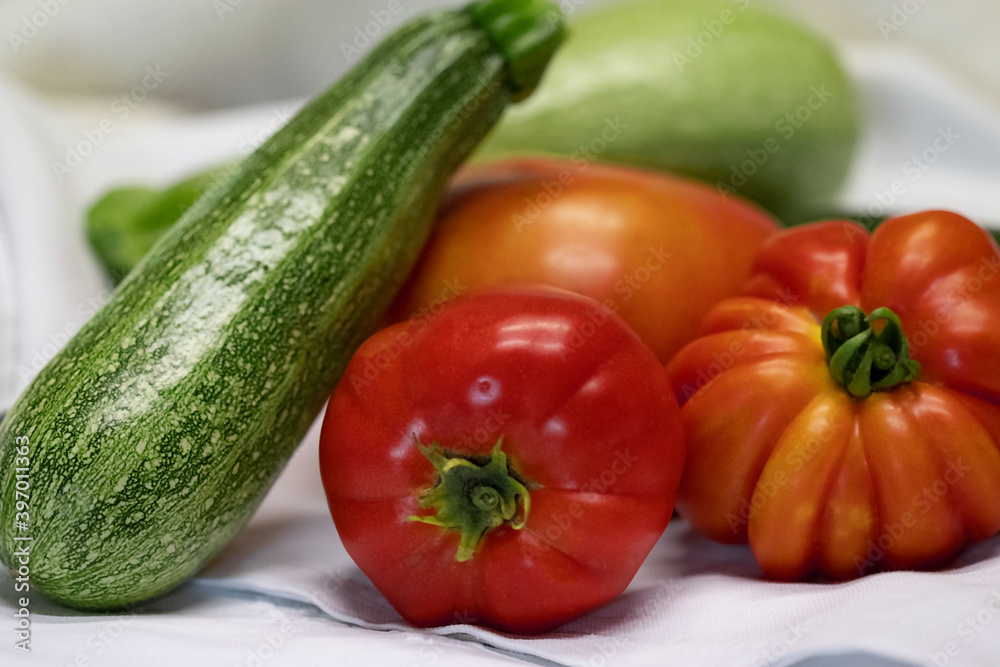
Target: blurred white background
(229, 52)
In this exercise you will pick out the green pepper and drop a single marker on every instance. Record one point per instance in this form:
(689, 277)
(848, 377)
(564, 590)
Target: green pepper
(125, 223)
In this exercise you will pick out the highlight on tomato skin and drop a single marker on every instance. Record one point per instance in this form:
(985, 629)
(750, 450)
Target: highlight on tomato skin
(657, 249)
(842, 416)
(508, 462)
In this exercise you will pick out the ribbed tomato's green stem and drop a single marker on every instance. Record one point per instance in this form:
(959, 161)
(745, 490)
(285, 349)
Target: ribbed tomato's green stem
(527, 33)
(472, 497)
(862, 359)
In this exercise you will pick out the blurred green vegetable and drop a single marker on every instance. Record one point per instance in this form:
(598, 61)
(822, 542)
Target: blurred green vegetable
(124, 224)
(716, 89)
(742, 98)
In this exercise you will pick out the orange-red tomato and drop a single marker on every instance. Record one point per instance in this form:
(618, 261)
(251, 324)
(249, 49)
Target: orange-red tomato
(843, 415)
(659, 250)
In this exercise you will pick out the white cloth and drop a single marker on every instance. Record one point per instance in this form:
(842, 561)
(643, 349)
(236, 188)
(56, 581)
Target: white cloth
(284, 591)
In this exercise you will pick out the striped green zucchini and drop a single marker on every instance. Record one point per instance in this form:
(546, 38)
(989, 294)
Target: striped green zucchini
(150, 439)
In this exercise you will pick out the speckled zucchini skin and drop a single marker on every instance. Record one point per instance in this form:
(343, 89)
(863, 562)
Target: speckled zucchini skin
(157, 431)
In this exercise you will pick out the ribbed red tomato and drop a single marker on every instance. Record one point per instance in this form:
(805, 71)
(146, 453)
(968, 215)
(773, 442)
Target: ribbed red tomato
(508, 462)
(844, 415)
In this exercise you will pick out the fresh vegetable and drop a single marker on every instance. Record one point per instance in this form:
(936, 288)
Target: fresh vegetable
(155, 433)
(844, 414)
(124, 224)
(508, 461)
(657, 249)
(719, 90)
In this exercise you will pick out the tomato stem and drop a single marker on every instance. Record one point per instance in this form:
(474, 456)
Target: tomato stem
(864, 359)
(473, 498)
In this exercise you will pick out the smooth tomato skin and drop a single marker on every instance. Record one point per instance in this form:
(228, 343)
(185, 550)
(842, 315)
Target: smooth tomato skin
(586, 416)
(657, 249)
(819, 482)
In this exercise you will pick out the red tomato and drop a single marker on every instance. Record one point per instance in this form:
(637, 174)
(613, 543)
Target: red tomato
(812, 432)
(659, 250)
(535, 427)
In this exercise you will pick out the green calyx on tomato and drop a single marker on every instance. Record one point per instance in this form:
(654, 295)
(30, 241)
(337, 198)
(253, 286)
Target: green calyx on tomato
(473, 496)
(862, 359)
